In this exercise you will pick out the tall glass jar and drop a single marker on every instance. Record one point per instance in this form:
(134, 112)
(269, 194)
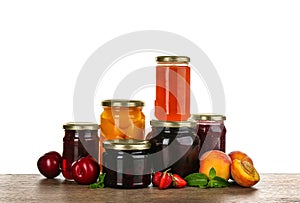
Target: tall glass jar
(126, 164)
(172, 88)
(174, 145)
(211, 131)
(81, 139)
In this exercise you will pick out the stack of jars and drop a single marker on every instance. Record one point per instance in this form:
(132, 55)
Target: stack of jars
(176, 141)
(173, 137)
(123, 150)
(179, 139)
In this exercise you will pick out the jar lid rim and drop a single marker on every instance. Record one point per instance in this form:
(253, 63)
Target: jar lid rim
(182, 59)
(122, 103)
(81, 126)
(208, 117)
(126, 144)
(172, 124)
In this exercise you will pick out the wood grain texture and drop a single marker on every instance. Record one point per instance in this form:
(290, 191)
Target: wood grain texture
(35, 188)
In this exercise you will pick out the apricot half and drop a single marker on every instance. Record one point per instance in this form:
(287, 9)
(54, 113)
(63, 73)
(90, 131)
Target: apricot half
(240, 156)
(218, 160)
(244, 173)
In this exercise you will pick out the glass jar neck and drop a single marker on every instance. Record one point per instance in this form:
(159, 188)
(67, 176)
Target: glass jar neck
(172, 64)
(204, 122)
(172, 131)
(109, 108)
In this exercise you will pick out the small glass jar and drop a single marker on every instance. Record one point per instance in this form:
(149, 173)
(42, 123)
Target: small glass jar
(126, 164)
(211, 131)
(122, 119)
(174, 145)
(172, 101)
(81, 139)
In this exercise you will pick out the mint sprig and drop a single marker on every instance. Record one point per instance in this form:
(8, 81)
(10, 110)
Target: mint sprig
(197, 180)
(202, 181)
(99, 183)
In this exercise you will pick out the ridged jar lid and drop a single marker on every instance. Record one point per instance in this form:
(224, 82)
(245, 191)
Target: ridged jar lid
(178, 59)
(122, 103)
(208, 117)
(128, 144)
(172, 124)
(81, 126)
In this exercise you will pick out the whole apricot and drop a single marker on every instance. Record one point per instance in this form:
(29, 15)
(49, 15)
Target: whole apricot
(244, 173)
(218, 160)
(240, 156)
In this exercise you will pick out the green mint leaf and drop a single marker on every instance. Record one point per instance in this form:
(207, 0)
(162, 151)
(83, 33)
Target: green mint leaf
(101, 177)
(99, 183)
(196, 180)
(212, 173)
(94, 185)
(195, 176)
(218, 182)
(197, 183)
(203, 186)
(210, 183)
(221, 181)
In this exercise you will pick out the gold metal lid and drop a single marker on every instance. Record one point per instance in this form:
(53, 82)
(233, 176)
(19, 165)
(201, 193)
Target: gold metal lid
(128, 144)
(172, 124)
(208, 117)
(81, 126)
(178, 59)
(122, 103)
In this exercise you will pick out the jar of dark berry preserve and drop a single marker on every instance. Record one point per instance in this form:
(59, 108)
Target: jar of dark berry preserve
(81, 139)
(174, 145)
(126, 163)
(211, 131)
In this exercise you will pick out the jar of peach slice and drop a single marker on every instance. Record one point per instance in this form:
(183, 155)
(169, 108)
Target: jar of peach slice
(122, 119)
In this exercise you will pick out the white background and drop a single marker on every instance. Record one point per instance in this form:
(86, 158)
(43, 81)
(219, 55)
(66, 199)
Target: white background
(254, 45)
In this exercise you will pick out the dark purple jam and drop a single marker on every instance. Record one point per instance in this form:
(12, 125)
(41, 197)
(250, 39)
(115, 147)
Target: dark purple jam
(126, 168)
(75, 143)
(211, 131)
(174, 145)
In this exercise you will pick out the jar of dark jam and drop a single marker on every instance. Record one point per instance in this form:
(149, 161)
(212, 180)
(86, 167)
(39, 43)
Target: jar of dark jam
(81, 139)
(211, 131)
(126, 163)
(174, 145)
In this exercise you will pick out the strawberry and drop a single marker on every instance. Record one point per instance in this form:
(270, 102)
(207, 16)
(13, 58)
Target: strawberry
(156, 178)
(178, 181)
(166, 180)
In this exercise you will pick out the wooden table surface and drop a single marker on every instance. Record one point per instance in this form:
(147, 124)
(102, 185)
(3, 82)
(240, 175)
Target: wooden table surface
(35, 188)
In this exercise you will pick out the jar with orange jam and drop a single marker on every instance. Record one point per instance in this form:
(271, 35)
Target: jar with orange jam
(172, 101)
(122, 119)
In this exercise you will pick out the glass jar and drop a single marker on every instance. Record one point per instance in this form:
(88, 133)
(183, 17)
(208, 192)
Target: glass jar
(125, 163)
(211, 131)
(122, 119)
(81, 139)
(172, 88)
(174, 145)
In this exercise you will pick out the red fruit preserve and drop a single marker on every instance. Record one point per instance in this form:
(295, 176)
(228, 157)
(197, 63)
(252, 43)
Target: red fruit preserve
(172, 88)
(211, 131)
(81, 139)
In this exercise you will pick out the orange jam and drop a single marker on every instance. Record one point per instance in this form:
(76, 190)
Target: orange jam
(172, 101)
